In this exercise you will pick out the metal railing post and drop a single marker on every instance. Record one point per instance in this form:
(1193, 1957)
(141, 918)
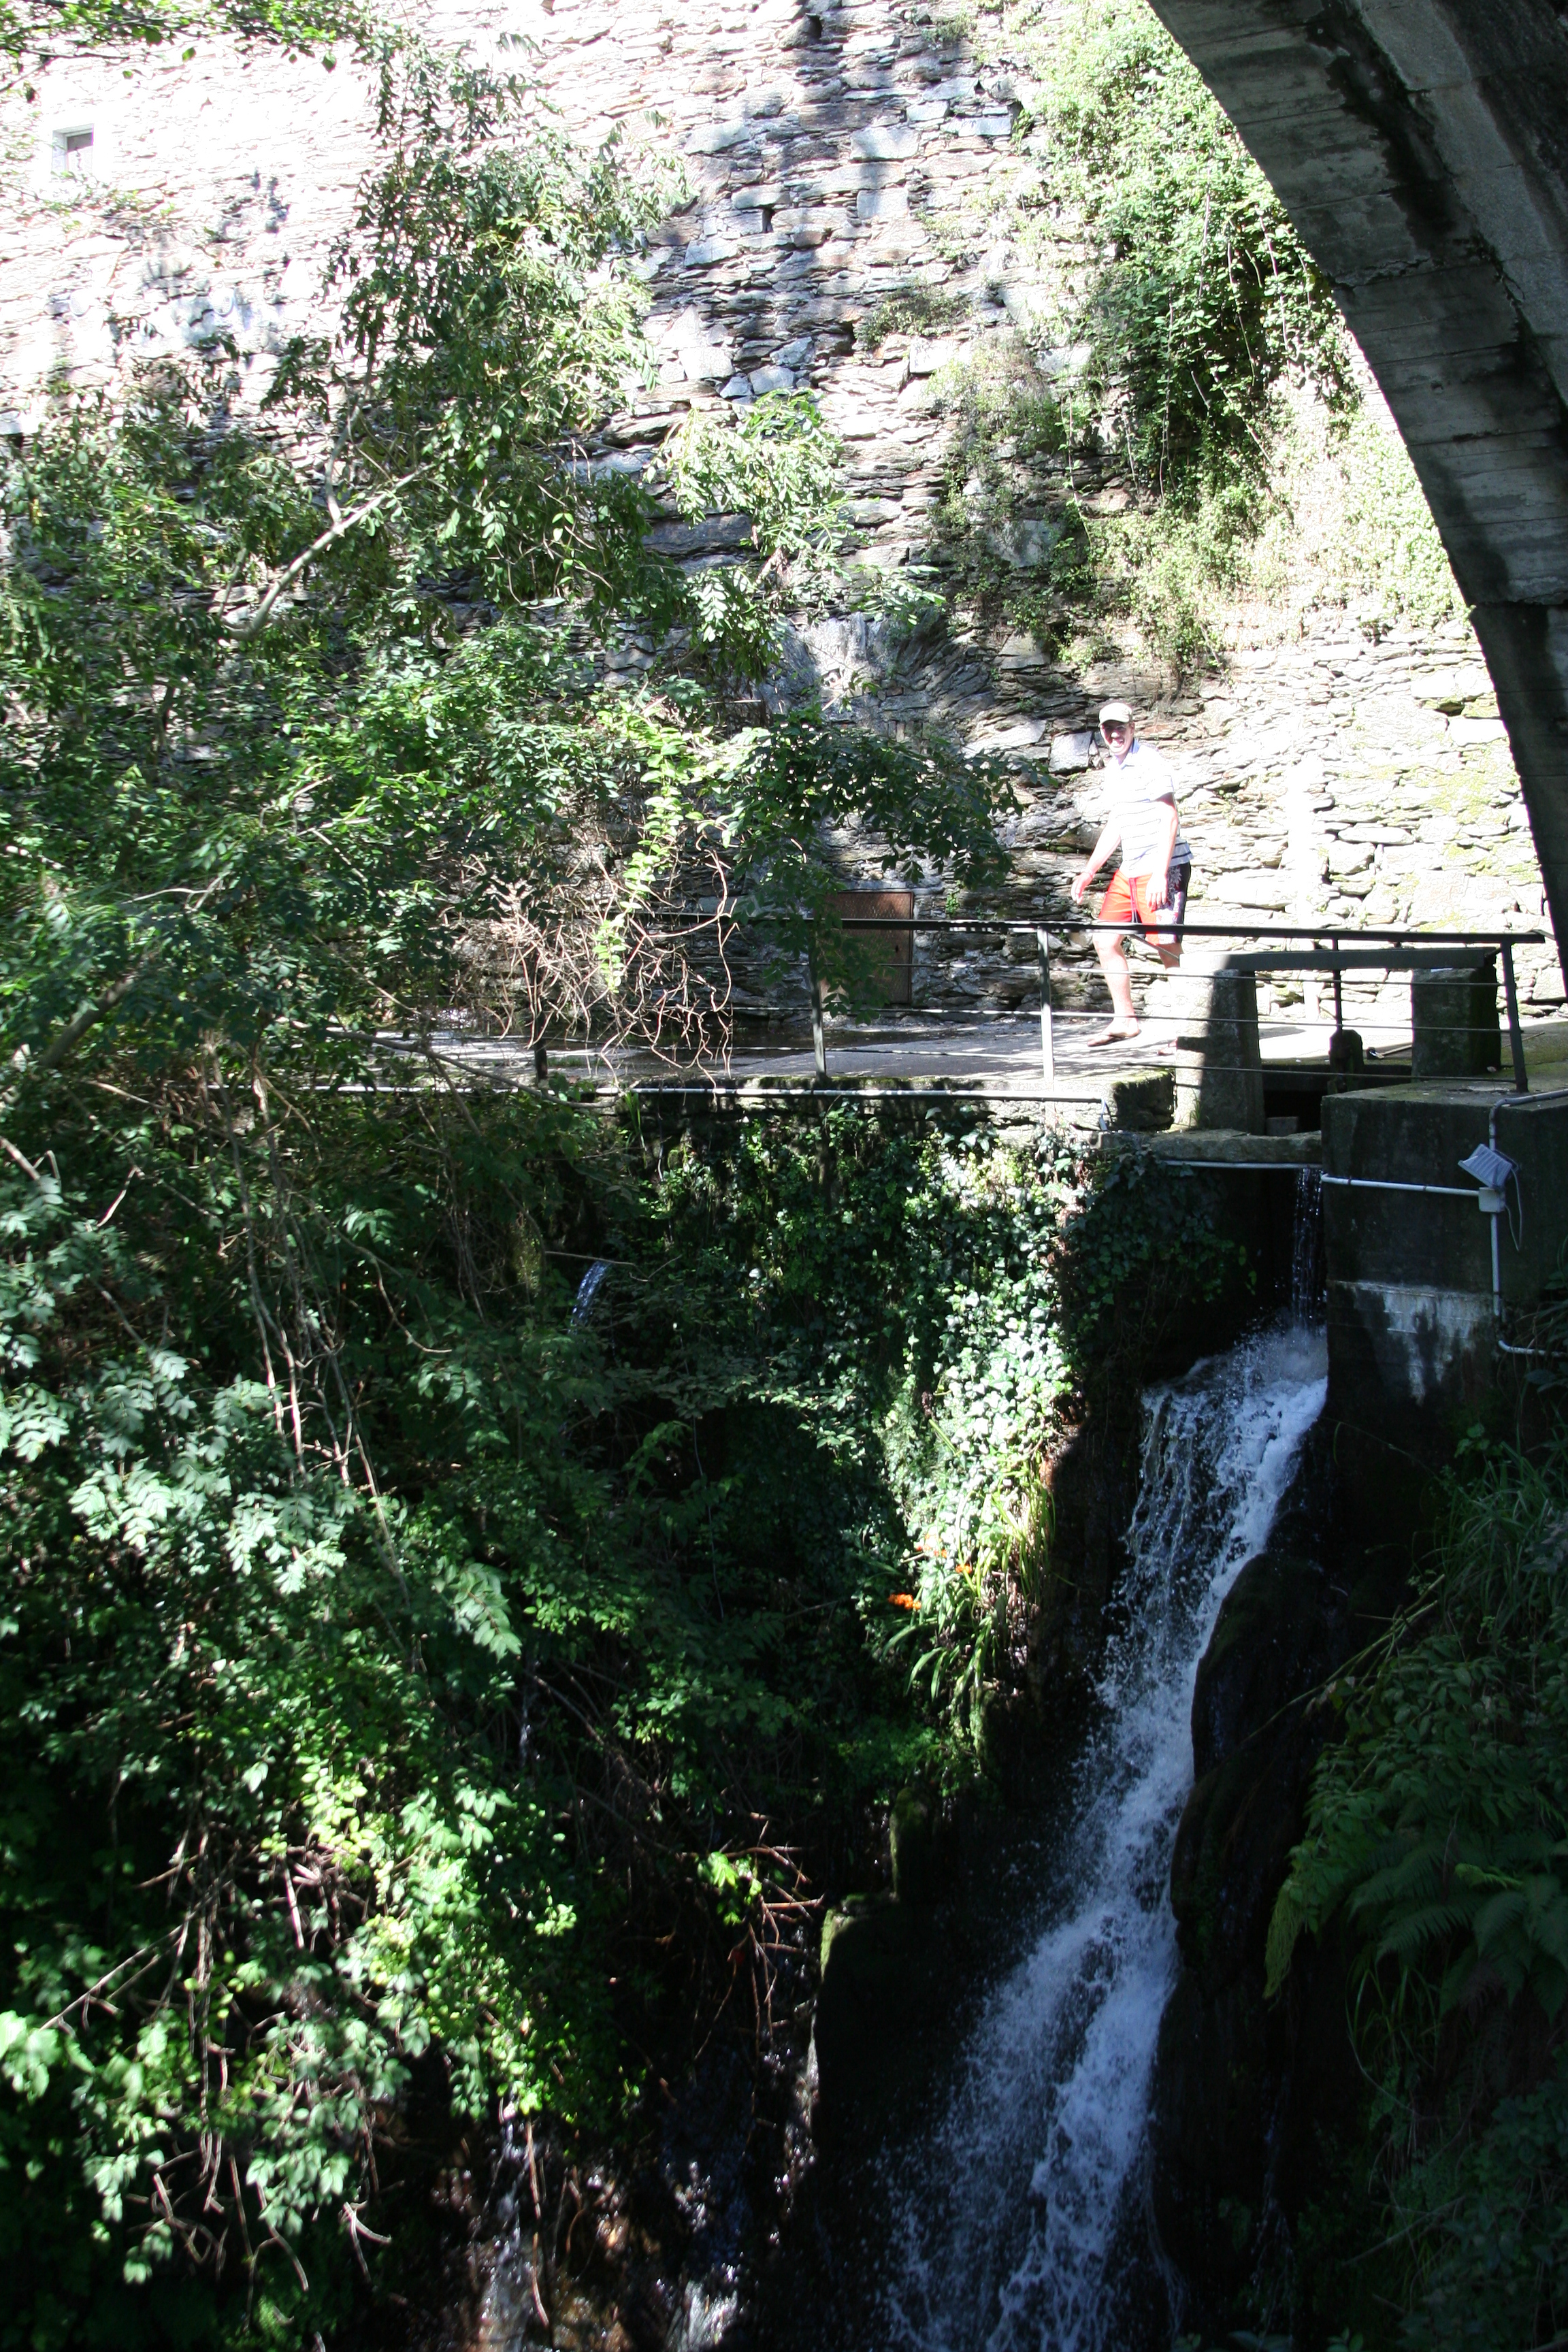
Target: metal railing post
(818, 1036)
(1339, 991)
(1047, 1040)
(1515, 1034)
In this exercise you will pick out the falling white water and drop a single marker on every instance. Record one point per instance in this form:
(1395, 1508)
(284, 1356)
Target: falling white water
(588, 1290)
(1307, 1271)
(1020, 2215)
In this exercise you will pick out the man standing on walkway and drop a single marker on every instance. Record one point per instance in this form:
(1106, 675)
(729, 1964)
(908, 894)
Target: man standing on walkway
(1154, 870)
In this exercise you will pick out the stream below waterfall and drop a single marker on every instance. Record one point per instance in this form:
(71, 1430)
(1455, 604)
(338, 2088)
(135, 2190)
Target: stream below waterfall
(1008, 2211)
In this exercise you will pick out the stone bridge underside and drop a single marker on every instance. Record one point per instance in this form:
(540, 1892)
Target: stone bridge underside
(1421, 149)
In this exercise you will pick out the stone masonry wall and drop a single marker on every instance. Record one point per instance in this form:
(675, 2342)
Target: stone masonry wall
(835, 153)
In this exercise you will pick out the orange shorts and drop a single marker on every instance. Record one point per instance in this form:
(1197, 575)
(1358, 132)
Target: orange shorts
(1126, 904)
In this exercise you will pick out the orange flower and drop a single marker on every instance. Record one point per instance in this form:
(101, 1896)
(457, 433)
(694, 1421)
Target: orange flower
(902, 1600)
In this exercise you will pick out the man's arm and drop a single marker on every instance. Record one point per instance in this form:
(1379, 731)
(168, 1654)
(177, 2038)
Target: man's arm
(1111, 833)
(1159, 879)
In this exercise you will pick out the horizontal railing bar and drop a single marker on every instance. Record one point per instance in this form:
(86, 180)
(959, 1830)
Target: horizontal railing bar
(828, 1090)
(1393, 959)
(1066, 927)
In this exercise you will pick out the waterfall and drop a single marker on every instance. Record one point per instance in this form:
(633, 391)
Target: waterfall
(1308, 1273)
(588, 1290)
(1021, 2224)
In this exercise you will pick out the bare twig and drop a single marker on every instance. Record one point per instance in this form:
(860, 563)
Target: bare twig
(250, 624)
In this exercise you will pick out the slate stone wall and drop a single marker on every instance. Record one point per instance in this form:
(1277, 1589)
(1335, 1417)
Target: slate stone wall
(835, 153)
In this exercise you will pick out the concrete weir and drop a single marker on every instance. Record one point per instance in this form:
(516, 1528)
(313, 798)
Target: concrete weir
(1435, 1280)
(1431, 1275)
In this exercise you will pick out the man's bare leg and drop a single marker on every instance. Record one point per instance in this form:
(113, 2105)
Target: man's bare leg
(1119, 980)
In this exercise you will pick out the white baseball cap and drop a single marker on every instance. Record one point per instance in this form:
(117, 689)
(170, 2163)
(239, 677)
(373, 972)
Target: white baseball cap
(1115, 714)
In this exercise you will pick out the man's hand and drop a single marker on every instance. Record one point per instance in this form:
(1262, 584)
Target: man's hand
(1110, 834)
(1158, 892)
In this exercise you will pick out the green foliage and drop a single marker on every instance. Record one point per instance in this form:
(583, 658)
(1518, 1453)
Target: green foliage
(914, 309)
(31, 37)
(1492, 2222)
(1176, 568)
(1008, 470)
(939, 1311)
(778, 465)
(1397, 566)
(1205, 301)
(480, 331)
(317, 1780)
(793, 781)
(1173, 370)
(1437, 1829)
(257, 1859)
(1025, 545)
(394, 1669)
(396, 1666)
(1437, 1819)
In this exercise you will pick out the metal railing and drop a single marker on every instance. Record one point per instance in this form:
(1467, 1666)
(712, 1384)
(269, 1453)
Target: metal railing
(1411, 952)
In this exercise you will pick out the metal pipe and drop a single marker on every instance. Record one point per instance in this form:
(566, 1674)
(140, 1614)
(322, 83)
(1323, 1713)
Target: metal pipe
(1388, 1184)
(1497, 1252)
(1047, 1039)
(1515, 1034)
(1506, 1346)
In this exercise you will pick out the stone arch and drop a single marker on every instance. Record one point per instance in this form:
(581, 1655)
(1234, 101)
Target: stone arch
(1421, 149)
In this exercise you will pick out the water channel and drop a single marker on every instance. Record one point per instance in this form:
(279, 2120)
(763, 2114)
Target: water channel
(1007, 2210)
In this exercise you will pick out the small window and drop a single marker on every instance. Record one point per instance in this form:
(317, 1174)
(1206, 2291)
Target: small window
(73, 151)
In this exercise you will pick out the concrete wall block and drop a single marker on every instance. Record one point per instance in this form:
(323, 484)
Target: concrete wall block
(1219, 1065)
(1455, 1029)
(1399, 1350)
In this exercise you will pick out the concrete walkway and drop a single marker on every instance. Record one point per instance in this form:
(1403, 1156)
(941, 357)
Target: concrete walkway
(1002, 1049)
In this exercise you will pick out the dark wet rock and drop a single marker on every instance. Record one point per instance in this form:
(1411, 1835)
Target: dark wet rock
(1211, 2133)
(1092, 1484)
(914, 1845)
(1232, 2092)
(886, 1972)
(644, 2313)
(1279, 1631)
(720, 534)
